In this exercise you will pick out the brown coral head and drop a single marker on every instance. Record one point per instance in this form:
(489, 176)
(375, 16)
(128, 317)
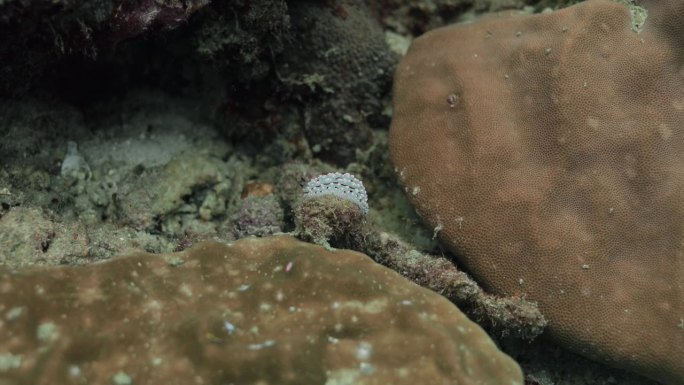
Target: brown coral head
(259, 311)
(547, 151)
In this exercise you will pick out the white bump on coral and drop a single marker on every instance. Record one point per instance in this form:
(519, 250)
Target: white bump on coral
(345, 186)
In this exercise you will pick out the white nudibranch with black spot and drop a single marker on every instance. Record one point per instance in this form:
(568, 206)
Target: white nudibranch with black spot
(345, 186)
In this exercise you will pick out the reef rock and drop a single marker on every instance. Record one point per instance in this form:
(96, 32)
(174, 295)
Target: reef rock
(259, 311)
(546, 151)
(340, 68)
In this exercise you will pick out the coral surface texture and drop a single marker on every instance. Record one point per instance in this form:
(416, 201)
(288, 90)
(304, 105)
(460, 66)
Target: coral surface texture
(259, 311)
(547, 152)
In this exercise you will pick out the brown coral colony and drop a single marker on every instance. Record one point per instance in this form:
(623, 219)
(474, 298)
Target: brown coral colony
(557, 172)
